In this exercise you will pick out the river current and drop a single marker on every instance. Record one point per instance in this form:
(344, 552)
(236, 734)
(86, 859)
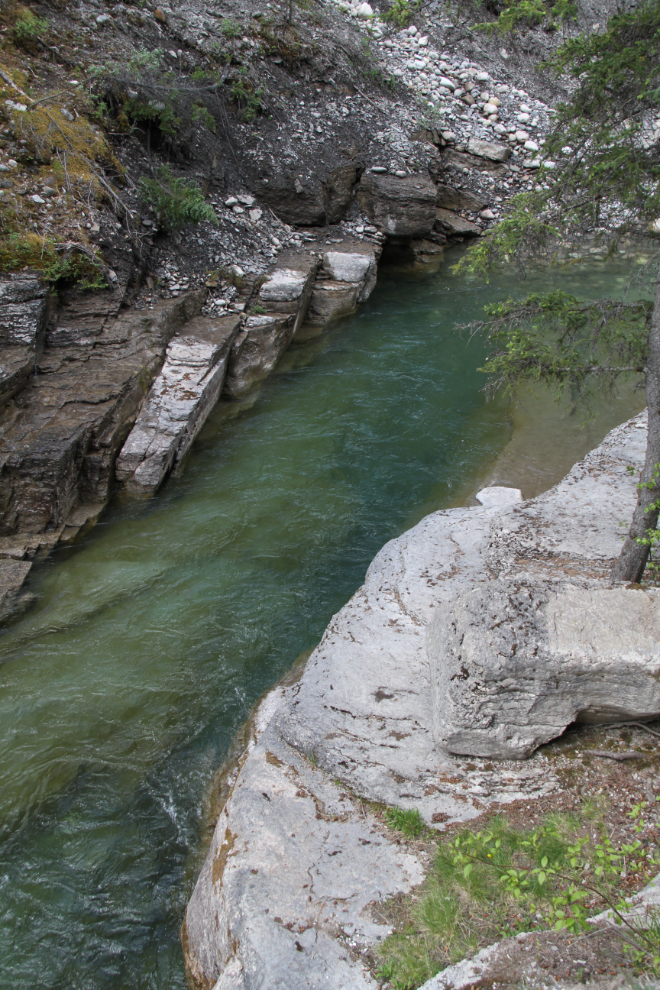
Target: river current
(123, 687)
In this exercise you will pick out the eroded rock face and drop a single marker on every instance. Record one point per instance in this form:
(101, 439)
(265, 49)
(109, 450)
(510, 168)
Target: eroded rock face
(178, 404)
(399, 207)
(514, 662)
(310, 203)
(24, 308)
(60, 443)
(449, 198)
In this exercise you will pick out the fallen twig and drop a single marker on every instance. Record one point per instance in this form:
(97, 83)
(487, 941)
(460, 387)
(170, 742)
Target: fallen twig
(614, 756)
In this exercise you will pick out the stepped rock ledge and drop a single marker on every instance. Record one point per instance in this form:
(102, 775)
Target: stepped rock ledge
(419, 666)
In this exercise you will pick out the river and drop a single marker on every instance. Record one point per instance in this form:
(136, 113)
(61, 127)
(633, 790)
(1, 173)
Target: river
(121, 690)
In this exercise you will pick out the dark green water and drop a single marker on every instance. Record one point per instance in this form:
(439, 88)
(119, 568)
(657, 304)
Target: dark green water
(122, 689)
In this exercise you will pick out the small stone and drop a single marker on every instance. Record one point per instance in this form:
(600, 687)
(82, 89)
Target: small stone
(400, 173)
(364, 11)
(522, 118)
(238, 209)
(487, 215)
(522, 136)
(101, 20)
(256, 214)
(447, 83)
(37, 199)
(247, 200)
(67, 114)
(232, 201)
(48, 191)
(379, 169)
(531, 146)
(482, 77)
(160, 16)
(489, 108)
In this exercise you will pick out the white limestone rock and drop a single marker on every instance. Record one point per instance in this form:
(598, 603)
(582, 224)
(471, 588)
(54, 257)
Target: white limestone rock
(178, 403)
(514, 662)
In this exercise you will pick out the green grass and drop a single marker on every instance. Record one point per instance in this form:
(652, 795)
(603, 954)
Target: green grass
(487, 885)
(406, 820)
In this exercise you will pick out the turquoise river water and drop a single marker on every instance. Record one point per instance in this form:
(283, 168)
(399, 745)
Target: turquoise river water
(121, 690)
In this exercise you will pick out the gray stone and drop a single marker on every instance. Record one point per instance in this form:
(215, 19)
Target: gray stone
(487, 149)
(330, 301)
(449, 198)
(498, 496)
(294, 863)
(345, 266)
(310, 203)
(257, 348)
(514, 662)
(178, 403)
(399, 207)
(453, 225)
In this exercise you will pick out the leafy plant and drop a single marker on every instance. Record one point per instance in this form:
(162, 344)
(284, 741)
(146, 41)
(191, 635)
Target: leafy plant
(231, 28)
(28, 27)
(247, 98)
(406, 820)
(490, 884)
(401, 12)
(516, 13)
(175, 201)
(57, 263)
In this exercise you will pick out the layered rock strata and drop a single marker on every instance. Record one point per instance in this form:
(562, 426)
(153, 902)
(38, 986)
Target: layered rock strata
(283, 300)
(24, 307)
(179, 402)
(347, 277)
(359, 723)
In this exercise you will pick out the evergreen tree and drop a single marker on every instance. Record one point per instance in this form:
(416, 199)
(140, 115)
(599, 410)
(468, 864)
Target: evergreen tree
(606, 144)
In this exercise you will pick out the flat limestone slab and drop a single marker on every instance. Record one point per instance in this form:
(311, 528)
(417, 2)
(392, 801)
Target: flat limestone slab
(178, 402)
(359, 723)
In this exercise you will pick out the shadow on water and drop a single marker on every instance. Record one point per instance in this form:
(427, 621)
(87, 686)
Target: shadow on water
(122, 689)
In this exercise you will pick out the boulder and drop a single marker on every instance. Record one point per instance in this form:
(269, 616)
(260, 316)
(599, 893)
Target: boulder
(310, 203)
(401, 207)
(330, 300)
(453, 225)
(288, 288)
(256, 350)
(449, 198)
(178, 403)
(513, 663)
(487, 149)
(290, 861)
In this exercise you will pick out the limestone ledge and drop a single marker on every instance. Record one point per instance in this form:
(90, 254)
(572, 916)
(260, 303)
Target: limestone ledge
(298, 861)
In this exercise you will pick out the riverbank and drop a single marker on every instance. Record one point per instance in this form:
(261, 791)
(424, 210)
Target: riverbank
(359, 134)
(301, 830)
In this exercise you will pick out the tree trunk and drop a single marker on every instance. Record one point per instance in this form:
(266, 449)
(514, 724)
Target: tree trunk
(632, 561)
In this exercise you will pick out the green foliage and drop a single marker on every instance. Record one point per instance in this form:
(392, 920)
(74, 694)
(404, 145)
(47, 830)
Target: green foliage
(44, 255)
(175, 201)
(231, 28)
(490, 884)
(200, 115)
(521, 13)
(28, 27)
(246, 96)
(406, 820)
(651, 537)
(401, 12)
(557, 340)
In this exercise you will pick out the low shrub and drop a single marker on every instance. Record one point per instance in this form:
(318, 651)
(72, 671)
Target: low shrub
(175, 201)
